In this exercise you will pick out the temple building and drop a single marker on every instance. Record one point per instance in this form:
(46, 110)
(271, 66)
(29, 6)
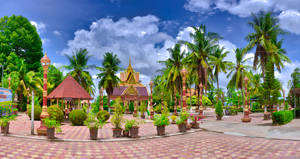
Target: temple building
(130, 88)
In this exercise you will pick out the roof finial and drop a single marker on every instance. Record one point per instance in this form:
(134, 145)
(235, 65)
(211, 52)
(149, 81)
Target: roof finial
(45, 53)
(129, 61)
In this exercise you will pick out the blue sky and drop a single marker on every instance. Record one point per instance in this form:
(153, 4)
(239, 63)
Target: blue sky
(144, 29)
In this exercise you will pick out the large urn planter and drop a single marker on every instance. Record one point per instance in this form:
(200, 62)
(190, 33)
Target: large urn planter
(117, 132)
(51, 133)
(161, 130)
(93, 133)
(134, 131)
(182, 127)
(5, 129)
(267, 116)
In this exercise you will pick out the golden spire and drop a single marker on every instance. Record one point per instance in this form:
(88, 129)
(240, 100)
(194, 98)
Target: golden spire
(129, 66)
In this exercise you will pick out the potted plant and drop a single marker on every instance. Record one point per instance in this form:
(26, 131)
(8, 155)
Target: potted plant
(173, 117)
(161, 121)
(51, 124)
(194, 124)
(93, 124)
(143, 109)
(132, 126)
(4, 123)
(117, 118)
(219, 110)
(182, 121)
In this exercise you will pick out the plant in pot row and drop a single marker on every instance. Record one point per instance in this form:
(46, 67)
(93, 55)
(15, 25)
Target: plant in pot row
(117, 119)
(131, 128)
(52, 127)
(219, 110)
(161, 121)
(173, 118)
(195, 124)
(143, 109)
(182, 121)
(4, 123)
(93, 123)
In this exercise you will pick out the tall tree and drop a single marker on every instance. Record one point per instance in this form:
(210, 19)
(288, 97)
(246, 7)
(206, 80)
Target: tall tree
(19, 36)
(200, 49)
(239, 70)
(107, 75)
(218, 63)
(264, 38)
(79, 69)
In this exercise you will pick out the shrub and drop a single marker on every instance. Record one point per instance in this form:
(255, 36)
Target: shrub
(161, 120)
(37, 111)
(256, 107)
(233, 110)
(55, 113)
(282, 117)
(184, 116)
(77, 117)
(103, 115)
(157, 108)
(286, 106)
(131, 107)
(117, 119)
(173, 117)
(131, 123)
(219, 109)
(205, 101)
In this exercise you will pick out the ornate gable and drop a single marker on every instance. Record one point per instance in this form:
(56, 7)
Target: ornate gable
(130, 91)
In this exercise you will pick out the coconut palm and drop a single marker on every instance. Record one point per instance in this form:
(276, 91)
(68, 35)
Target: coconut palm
(79, 66)
(239, 70)
(200, 49)
(264, 38)
(218, 63)
(108, 78)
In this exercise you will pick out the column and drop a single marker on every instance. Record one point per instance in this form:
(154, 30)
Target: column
(200, 102)
(246, 117)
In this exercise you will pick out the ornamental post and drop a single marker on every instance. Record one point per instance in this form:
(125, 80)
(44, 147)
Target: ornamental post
(183, 74)
(101, 99)
(151, 101)
(200, 102)
(246, 117)
(9, 79)
(42, 130)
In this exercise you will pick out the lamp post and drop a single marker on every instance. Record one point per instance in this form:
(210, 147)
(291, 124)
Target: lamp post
(151, 101)
(9, 79)
(45, 61)
(183, 74)
(201, 105)
(246, 117)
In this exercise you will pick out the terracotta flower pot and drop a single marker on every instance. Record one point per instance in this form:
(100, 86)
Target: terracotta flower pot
(93, 133)
(5, 129)
(160, 130)
(182, 127)
(117, 132)
(134, 132)
(195, 125)
(51, 133)
(125, 133)
(188, 126)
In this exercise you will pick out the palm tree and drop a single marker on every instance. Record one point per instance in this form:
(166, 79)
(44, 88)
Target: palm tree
(200, 49)
(239, 70)
(218, 63)
(264, 38)
(174, 64)
(79, 66)
(107, 75)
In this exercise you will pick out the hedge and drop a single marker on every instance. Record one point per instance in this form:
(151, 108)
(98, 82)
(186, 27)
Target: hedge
(282, 117)
(77, 117)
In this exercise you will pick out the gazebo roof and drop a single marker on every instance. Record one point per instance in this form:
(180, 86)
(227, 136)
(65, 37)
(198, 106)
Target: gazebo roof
(69, 88)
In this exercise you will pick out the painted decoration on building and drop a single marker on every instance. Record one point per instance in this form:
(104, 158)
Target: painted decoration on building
(5, 96)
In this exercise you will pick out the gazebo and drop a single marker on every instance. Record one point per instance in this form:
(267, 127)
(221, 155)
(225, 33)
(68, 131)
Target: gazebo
(68, 92)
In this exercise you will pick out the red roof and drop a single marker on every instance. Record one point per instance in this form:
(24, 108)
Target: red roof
(69, 88)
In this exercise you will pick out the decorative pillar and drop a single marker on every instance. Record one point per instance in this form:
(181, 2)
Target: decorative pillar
(183, 74)
(9, 79)
(200, 102)
(151, 102)
(135, 110)
(42, 130)
(246, 117)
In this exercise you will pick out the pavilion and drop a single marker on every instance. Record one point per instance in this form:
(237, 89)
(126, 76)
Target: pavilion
(68, 91)
(130, 89)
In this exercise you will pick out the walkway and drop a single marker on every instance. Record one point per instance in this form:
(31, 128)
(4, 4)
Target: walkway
(203, 144)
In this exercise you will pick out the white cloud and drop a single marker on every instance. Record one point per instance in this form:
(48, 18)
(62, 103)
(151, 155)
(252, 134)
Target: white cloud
(40, 26)
(290, 21)
(56, 32)
(198, 5)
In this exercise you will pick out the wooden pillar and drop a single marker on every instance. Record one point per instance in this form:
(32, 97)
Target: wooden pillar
(135, 110)
(78, 105)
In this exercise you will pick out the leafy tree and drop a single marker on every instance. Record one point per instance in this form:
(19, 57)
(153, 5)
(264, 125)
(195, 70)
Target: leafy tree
(107, 75)
(19, 36)
(79, 66)
(55, 77)
(294, 83)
